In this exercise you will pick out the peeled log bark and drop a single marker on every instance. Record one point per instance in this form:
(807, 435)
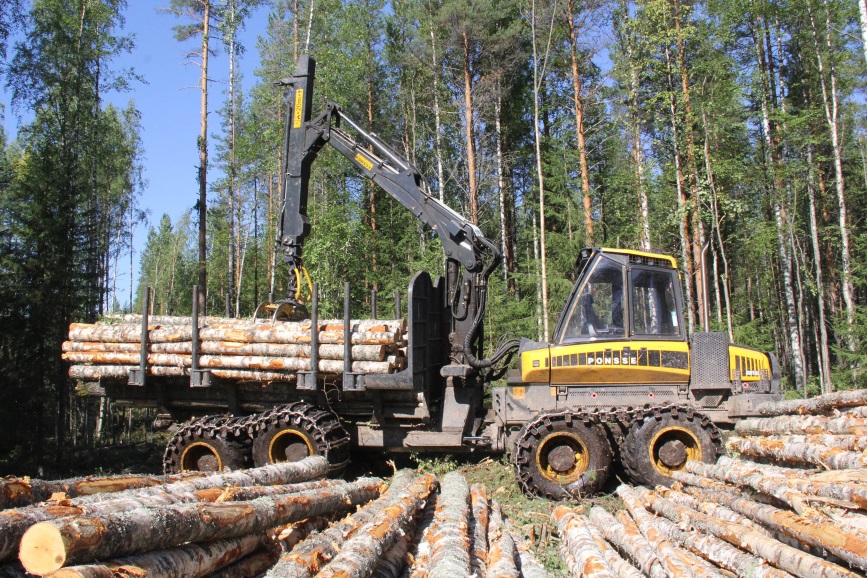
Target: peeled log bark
(782, 483)
(450, 540)
(359, 555)
(843, 442)
(530, 566)
(815, 405)
(48, 546)
(717, 551)
(17, 492)
(711, 509)
(848, 546)
(831, 458)
(669, 555)
(14, 523)
(479, 517)
(613, 560)
(94, 346)
(312, 554)
(251, 566)
(120, 371)
(574, 532)
(785, 425)
(420, 552)
(502, 553)
(630, 541)
(835, 484)
(190, 561)
(784, 557)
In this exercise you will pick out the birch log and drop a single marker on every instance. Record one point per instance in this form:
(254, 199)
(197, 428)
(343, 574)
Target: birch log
(530, 566)
(479, 518)
(501, 554)
(50, 545)
(579, 542)
(806, 425)
(805, 453)
(450, 539)
(359, 555)
(393, 562)
(715, 550)
(774, 552)
(710, 508)
(843, 442)
(848, 546)
(815, 405)
(613, 560)
(312, 554)
(420, 551)
(190, 561)
(630, 541)
(670, 556)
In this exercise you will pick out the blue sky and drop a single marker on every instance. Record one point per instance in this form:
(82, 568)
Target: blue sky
(169, 103)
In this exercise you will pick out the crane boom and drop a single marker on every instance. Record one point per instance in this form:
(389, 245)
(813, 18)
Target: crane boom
(470, 256)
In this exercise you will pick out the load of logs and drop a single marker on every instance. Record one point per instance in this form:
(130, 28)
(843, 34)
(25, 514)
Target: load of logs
(279, 520)
(745, 516)
(232, 349)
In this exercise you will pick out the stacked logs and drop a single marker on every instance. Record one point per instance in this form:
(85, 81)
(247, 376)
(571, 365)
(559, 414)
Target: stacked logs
(283, 519)
(231, 348)
(829, 432)
(746, 516)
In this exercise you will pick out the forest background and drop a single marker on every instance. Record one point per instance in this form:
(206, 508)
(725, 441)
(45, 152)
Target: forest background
(736, 126)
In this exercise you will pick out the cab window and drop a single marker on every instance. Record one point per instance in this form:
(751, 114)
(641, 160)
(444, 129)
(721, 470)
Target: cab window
(654, 307)
(597, 309)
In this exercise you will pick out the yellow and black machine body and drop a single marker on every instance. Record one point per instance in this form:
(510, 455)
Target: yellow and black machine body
(622, 377)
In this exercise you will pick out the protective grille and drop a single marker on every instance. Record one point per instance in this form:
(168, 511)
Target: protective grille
(652, 261)
(710, 361)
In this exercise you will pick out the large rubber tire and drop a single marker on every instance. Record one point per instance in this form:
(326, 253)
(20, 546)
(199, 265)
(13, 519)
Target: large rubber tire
(192, 452)
(561, 455)
(293, 432)
(660, 443)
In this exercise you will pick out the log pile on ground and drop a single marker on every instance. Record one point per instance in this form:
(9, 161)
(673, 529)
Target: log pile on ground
(279, 520)
(745, 516)
(231, 349)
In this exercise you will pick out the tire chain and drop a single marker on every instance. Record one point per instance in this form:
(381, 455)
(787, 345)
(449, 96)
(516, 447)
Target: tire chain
(624, 416)
(325, 425)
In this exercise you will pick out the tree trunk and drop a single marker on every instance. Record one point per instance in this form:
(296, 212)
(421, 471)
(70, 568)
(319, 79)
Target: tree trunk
(579, 125)
(824, 348)
(48, 546)
(843, 425)
(610, 555)
(469, 127)
(202, 205)
(441, 184)
(799, 453)
(830, 100)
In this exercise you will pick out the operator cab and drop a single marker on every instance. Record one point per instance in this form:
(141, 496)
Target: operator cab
(598, 308)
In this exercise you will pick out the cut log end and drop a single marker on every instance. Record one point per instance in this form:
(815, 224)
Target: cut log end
(42, 549)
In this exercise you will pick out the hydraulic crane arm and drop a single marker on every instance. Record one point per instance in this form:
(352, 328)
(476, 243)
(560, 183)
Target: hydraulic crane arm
(470, 256)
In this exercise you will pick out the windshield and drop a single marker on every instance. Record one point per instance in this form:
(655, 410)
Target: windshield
(654, 308)
(597, 309)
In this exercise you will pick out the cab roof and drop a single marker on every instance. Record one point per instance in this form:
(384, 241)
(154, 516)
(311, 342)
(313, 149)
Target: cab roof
(669, 260)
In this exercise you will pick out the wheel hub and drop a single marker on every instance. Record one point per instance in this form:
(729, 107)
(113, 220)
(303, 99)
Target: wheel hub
(200, 457)
(672, 454)
(561, 458)
(289, 446)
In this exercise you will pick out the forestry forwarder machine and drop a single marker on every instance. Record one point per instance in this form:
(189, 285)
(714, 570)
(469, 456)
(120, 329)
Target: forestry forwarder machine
(620, 379)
